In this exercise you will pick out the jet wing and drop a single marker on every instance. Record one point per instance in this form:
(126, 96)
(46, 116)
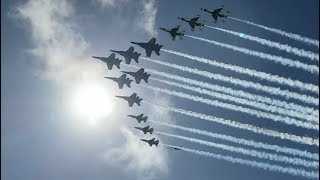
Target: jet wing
(127, 59)
(195, 19)
(120, 84)
(176, 28)
(138, 79)
(130, 103)
(109, 65)
(215, 17)
(152, 41)
(148, 52)
(217, 10)
(130, 50)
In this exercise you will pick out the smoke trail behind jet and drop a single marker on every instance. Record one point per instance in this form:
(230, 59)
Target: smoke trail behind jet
(267, 132)
(260, 145)
(249, 152)
(277, 59)
(284, 47)
(247, 84)
(283, 33)
(256, 164)
(261, 75)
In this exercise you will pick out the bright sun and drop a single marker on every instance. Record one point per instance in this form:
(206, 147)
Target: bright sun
(93, 102)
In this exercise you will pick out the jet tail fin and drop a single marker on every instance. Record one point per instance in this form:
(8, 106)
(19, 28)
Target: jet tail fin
(151, 130)
(156, 142)
(157, 50)
(136, 57)
(117, 63)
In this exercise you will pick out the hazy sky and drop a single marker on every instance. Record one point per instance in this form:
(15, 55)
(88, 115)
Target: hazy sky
(48, 130)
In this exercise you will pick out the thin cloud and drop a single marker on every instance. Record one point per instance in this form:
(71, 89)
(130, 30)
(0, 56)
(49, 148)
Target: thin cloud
(147, 17)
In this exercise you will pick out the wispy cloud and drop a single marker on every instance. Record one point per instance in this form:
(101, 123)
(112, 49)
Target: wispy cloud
(61, 53)
(145, 161)
(147, 17)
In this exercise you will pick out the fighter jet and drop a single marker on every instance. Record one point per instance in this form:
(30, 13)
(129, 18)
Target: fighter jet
(150, 46)
(131, 99)
(145, 130)
(122, 80)
(151, 142)
(140, 74)
(139, 118)
(216, 13)
(110, 61)
(193, 22)
(129, 54)
(174, 32)
(175, 148)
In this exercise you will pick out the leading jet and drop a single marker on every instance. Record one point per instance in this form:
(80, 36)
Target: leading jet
(139, 118)
(110, 61)
(131, 99)
(216, 13)
(140, 74)
(193, 22)
(150, 46)
(145, 130)
(174, 32)
(122, 80)
(128, 55)
(151, 142)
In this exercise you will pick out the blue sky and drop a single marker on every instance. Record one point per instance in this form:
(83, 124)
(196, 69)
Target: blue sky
(46, 63)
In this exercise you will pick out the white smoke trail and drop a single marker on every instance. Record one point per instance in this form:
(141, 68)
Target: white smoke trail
(283, 33)
(257, 105)
(238, 93)
(267, 132)
(261, 145)
(284, 47)
(277, 59)
(261, 75)
(256, 113)
(250, 152)
(256, 164)
(247, 84)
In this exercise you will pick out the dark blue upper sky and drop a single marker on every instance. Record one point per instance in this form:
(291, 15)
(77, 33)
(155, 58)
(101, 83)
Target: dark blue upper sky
(41, 141)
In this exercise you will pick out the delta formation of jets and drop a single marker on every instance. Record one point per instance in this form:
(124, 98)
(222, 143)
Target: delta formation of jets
(149, 47)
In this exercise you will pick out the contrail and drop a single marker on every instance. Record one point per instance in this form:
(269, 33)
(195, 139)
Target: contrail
(277, 59)
(250, 152)
(267, 132)
(238, 93)
(261, 145)
(257, 105)
(258, 74)
(247, 84)
(256, 164)
(283, 33)
(284, 47)
(256, 113)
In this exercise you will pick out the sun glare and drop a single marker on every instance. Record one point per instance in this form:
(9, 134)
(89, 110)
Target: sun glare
(93, 102)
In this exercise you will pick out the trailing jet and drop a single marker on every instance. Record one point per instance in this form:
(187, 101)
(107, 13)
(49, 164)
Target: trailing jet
(129, 54)
(131, 99)
(216, 13)
(193, 22)
(150, 46)
(122, 80)
(151, 142)
(110, 61)
(140, 74)
(175, 148)
(139, 118)
(145, 130)
(174, 32)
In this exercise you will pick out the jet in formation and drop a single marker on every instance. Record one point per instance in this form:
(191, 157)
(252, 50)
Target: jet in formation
(151, 142)
(131, 99)
(175, 148)
(110, 61)
(216, 13)
(140, 74)
(139, 118)
(145, 130)
(174, 32)
(150, 46)
(193, 22)
(129, 55)
(122, 80)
